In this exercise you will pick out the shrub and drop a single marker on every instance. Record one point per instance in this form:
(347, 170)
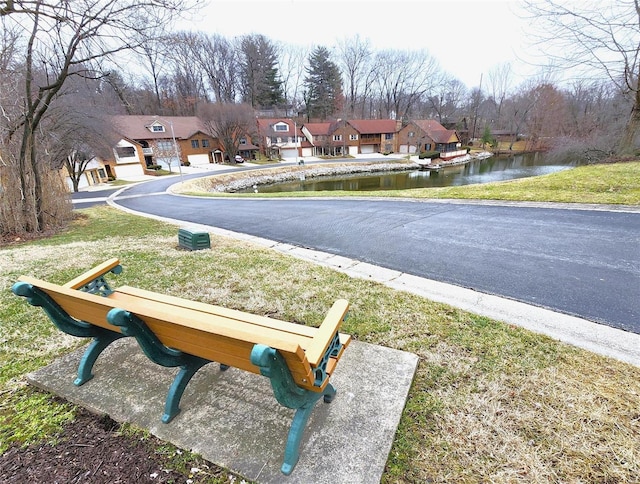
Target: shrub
(428, 154)
(186, 163)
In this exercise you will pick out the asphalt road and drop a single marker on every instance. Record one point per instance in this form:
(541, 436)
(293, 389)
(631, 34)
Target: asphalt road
(580, 262)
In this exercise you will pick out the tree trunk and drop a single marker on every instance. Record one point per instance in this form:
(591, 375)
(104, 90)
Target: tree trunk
(628, 141)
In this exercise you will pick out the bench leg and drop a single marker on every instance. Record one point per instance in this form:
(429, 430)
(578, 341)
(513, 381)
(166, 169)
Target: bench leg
(182, 379)
(65, 323)
(95, 348)
(299, 423)
(156, 351)
(289, 395)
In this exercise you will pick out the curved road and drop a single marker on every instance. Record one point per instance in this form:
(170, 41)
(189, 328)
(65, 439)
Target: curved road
(583, 262)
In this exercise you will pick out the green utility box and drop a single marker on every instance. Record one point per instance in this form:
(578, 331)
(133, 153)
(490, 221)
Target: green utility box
(193, 240)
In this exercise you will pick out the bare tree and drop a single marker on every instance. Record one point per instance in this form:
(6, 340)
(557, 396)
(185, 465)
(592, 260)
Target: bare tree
(154, 55)
(594, 37)
(229, 123)
(446, 98)
(498, 85)
(354, 58)
(64, 39)
(403, 78)
(218, 60)
(291, 65)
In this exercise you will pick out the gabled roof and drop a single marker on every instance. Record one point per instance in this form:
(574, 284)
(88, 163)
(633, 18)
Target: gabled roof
(265, 126)
(138, 127)
(374, 126)
(436, 131)
(318, 129)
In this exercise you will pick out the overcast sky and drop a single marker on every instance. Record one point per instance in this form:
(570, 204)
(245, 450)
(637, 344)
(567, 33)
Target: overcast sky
(467, 37)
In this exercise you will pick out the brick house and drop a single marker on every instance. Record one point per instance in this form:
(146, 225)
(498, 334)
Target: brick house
(330, 139)
(149, 141)
(279, 137)
(429, 135)
(375, 135)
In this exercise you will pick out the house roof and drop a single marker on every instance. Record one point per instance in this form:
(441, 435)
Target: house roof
(265, 126)
(137, 127)
(374, 126)
(319, 129)
(436, 131)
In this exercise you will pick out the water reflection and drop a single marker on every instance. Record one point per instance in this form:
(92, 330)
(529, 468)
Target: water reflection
(479, 171)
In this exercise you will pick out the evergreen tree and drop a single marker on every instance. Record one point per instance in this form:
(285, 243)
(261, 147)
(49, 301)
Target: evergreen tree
(261, 86)
(323, 85)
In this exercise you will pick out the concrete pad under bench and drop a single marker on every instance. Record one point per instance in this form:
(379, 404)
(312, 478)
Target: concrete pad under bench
(233, 420)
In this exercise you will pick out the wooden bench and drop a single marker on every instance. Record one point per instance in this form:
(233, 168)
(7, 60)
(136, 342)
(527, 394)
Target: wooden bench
(176, 332)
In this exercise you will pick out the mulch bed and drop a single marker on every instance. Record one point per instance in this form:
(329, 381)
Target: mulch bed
(90, 449)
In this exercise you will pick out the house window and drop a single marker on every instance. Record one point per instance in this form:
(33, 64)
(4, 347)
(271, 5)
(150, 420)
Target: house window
(205, 143)
(195, 143)
(353, 137)
(125, 151)
(243, 141)
(337, 137)
(157, 128)
(411, 134)
(427, 147)
(388, 136)
(164, 145)
(281, 127)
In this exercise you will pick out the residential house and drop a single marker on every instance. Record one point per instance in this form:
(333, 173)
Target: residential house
(429, 135)
(279, 137)
(375, 135)
(317, 140)
(350, 137)
(166, 141)
(95, 172)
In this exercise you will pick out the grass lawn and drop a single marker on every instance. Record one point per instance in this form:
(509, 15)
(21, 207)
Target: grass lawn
(490, 402)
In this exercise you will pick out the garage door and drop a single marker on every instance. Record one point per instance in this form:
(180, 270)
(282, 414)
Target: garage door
(367, 149)
(198, 159)
(353, 150)
(289, 153)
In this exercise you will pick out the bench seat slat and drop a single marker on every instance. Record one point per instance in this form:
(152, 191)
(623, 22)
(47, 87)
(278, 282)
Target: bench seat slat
(191, 318)
(331, 324)
(298, 329)
(308, 334)
(89, 276)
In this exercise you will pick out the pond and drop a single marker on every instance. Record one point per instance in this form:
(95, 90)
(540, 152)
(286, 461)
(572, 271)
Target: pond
(477, 171)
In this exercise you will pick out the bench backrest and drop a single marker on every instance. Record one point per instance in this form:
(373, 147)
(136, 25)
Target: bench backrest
(210, 332)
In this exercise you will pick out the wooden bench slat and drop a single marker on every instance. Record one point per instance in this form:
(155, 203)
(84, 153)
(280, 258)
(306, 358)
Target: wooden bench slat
(233, 328)
(339, 310)
(89, 276)
(265, 321)
(331, 324)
